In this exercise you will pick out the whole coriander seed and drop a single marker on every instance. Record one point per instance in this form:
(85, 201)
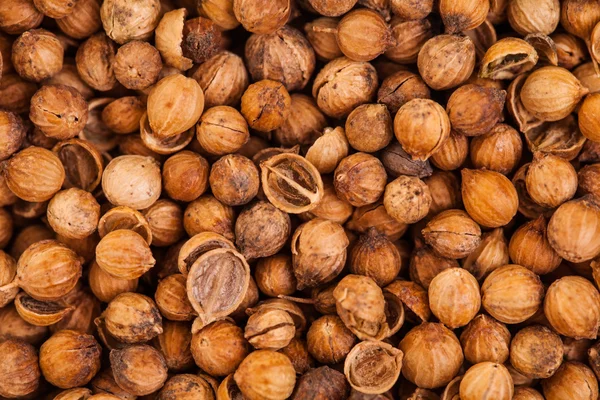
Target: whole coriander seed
(266, 105)
(175, 105)
(138, 369)
(374, 215)
(303, 124)
(476, 186)
(125, 21)
(499, 150)
(328, 340)
(269, 328)
(262, 17)
(186, 386)
(536, 352)
(416, 117)
(491, 254)
(360, 179)
(261, 230)
(578, 17)
(398, 162)
(512, 294)
(59, 111)
(185, 176)
(588, 179)
(411, 9)
(285, 56)
(321, 35)
(410, 36)
(275, 275)
(222, 130)
(453, 152)
(219, 348)
(310, 250)
(37, 54)
(105, 286)
(73, 213)
(266, 374)
(207, 214)
(369, 128)
(342, 85)
(363, 34)
(375, 256)
(572, 230)
(223, 79)
(83, 20)
(94, 60)
(487, 380)
(74, 394)
(132, 318)
(446, 61)
(132, 181)
(401, 87)
(15, 23)
(407, 199)
(485, 339)
(329, 150)
(528, 17)
(526, 393)
(559, 185)
(452, 234)
(70, 359)
(332, 8)
(298, 354)
(171, 299)
(322, 382)
(201, 39)
(464, 16)
(20, 371)
(473, 110)
(16, 93)
(234, 180)
(580, 323)
(220, 12)
(552, 93)
(124, 254)
(13, 134)
(123, 115)
(137, 65)
(48, 270)
(462, 288)
(529, 247)
(573, 380)
(445, 192)
(174, 344)
(165, 219)
(424, 344)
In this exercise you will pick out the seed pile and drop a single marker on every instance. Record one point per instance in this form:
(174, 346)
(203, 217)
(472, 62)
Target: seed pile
(299, 199)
